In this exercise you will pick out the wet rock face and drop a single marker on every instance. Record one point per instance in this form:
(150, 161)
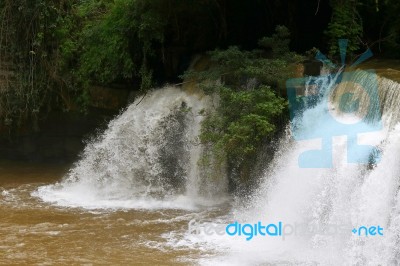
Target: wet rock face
(60, 136)
(108, 98)
(60, 139)
(312, 67)
(174, 151)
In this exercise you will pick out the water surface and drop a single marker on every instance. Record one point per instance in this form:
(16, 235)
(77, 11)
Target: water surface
(35, 232)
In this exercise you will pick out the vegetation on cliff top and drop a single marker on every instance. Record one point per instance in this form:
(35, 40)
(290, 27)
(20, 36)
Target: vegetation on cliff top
(251, 108)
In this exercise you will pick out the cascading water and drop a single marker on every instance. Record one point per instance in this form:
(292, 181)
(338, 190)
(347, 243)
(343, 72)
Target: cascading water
(325, 204)
(147, 158)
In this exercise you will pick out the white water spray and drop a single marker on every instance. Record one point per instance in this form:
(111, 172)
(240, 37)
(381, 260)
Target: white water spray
(147, 158)
(343, 197)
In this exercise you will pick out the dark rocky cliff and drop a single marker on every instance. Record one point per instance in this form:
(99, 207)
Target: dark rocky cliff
(61, 136)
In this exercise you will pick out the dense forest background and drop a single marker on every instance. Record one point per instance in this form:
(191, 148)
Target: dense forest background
(57, 48)
(53, 52)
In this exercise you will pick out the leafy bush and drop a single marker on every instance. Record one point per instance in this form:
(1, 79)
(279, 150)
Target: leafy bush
(243, 120)
(346, 23)
(250, 109)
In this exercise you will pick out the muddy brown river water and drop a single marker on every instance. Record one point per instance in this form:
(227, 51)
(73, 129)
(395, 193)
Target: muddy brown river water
(33, 232)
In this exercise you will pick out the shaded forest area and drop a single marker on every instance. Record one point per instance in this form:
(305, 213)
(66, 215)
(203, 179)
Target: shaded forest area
(54, 52)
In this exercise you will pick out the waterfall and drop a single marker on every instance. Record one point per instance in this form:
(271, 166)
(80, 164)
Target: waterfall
(325, 204)
(147, 158)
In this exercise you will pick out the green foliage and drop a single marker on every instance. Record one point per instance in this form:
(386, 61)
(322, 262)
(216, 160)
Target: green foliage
(117, 40)
(54, 50)
(346, 23)
(278, 42)
(243, 120)
(235, 67)
(243, 69)
(250, 110)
